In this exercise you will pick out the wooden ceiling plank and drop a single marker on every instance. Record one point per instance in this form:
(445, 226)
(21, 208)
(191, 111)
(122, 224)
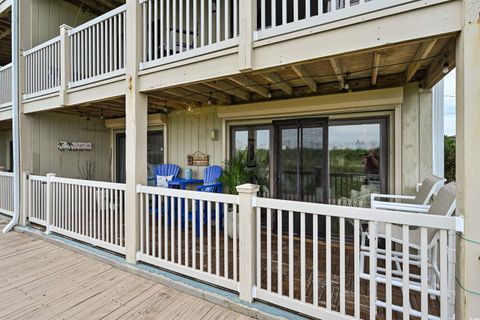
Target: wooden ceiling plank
(422, 53)
(302, 73)
(278, 82)
(435, 70)
(251, 85)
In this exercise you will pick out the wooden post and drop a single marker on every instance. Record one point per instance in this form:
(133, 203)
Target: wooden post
(136, 131)
(467, 156)
(248, 243)
(49, 208)
(64, 62)
(248, 24)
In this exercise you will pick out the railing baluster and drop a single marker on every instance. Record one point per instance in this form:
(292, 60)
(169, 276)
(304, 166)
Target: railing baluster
(290, 255)
(342, 263)
(328, 261)
(269, 249)
(279, 252)
(388, 271)
(356, 257)
(406, 273)
(372, 229)
(424, 272)
(302, 257)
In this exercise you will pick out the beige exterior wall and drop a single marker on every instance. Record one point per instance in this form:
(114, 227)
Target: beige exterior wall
(5, 138)
(49, 128)
(187, 134)
(49, 15)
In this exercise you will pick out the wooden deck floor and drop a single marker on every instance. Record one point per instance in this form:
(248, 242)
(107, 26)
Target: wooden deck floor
(39, 280)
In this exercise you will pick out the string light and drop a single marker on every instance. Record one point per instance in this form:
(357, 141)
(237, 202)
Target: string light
(445, 69)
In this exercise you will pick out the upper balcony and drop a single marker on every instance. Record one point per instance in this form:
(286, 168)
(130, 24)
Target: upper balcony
(187, 41)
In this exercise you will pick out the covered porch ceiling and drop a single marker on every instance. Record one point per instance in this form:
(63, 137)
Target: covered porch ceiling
(389, 66)
(97, 7)
(5, 38)
(109, 109)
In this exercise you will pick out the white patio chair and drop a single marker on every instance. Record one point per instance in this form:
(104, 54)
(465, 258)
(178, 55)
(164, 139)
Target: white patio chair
(417, 203)
(443, 204)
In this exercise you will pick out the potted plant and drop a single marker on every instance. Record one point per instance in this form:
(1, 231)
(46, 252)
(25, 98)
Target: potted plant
(235, 173)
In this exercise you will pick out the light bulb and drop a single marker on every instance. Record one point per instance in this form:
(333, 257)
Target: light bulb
(346, 86)
(445, 68)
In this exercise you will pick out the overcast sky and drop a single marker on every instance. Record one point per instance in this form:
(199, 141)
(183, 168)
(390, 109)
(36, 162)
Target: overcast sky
(449, 107)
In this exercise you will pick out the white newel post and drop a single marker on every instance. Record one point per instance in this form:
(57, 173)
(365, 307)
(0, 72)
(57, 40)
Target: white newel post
(248, 243)
(49, 208)
(25, 195)
(64, 62)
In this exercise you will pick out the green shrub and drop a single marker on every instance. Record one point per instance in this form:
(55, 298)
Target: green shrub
(450, 158)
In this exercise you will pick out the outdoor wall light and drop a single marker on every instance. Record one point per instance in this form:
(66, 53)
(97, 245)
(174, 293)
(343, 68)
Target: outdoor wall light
(214, 134)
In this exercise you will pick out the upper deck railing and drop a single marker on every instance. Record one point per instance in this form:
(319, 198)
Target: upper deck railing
(5, 85)
(178, 30)
(173, 31)
(281, 16)
(98, 48)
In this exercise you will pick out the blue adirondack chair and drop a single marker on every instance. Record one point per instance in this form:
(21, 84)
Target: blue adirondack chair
(166, 170)
(210, 184)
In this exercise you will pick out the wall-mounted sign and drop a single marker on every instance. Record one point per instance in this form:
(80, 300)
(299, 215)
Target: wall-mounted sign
(74, 146)
(198, 159)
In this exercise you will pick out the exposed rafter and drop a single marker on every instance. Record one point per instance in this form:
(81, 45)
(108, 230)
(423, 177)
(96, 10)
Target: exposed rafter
(376, 63)
(301, 72)
(422, 53)
(278, 82)
(222, 86)
(219, 97)
(251, 85)
(435, 70)
(338, 71)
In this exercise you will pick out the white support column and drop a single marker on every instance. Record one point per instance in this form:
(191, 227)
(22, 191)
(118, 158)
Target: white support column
(26, 126)
(64, 62)
(248, 243)
(136, 130)
(49, 206)
(25, 183)
(248, 24)
(467, 161)
(438, 129)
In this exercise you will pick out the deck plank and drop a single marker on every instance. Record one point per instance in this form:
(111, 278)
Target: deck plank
(40, 280)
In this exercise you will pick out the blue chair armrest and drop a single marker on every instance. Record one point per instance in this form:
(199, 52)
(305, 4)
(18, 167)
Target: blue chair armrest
(217, 187)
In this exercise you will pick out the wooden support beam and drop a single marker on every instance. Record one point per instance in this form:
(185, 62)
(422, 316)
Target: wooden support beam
(251, 85)
(338, 71)
(376, 63)
(423, 51)
(278, 82)
(225, 87)
(302, 73)
(435, 70)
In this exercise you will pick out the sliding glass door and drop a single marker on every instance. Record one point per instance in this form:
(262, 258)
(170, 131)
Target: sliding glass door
(302, 159)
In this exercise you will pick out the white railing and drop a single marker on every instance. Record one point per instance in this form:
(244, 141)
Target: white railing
(179, 29)
(97, 48)
(192, 233)
(6, 85)
(318, 257)
(89, 211)
(42, 68)
(6, 193)
(36, 199)
(289, 18)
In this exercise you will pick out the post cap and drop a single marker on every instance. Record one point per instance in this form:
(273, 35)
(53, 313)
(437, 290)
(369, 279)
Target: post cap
(65, 26)
(248, 188)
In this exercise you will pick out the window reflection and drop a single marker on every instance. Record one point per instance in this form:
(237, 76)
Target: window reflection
(355, 163)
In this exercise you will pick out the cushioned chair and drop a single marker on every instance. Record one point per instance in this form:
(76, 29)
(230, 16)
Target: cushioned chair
(164, 170)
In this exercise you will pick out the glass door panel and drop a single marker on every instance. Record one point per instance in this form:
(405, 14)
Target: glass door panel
(357, 161)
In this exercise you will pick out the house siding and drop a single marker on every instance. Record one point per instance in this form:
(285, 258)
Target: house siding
(49, 128)
(5, 138)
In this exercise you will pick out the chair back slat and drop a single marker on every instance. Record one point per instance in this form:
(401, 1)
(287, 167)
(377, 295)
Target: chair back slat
(428, 188)
(167, 170)
(212, 174)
